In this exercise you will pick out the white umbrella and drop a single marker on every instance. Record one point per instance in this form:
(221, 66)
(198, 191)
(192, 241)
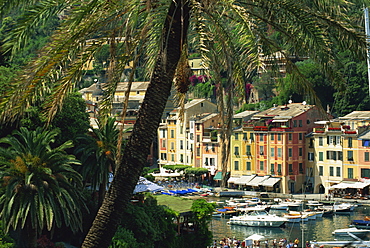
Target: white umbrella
(255, 237)
(144, 185)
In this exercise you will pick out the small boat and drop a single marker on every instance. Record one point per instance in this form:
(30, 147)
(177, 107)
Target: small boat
(351, 230)
(362, 224)
(258, 219)
(343, 208)
(296, 218)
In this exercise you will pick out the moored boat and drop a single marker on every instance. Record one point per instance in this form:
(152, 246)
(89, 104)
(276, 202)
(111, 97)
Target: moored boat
(258, 219)
(352, 230)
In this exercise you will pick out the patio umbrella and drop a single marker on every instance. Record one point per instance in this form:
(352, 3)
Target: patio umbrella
(255, 237)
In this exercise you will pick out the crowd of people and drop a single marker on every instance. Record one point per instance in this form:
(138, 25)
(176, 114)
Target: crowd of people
(282, 243)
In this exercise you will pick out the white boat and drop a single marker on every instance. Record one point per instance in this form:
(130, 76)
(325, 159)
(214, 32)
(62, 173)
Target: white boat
(296, 218)
(343, 208)
(352, 230)
(258, 219)
(345, 243)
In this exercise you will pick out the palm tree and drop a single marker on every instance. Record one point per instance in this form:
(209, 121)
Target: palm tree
(230, 34)
(98, 151)
(42, 191)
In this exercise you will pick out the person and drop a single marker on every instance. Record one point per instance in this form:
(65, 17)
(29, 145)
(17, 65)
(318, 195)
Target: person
(296, 242)
(308, 244)
(274, 243)
(215, 244)
(266, 243)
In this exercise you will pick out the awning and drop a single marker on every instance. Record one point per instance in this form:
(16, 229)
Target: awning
(232, 179)
(270, 182)
(218, 175)
(243, 180)
(279, 120)
(351, 185)
(255, 182)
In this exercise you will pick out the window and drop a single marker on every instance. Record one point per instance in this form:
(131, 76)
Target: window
(290, 166)
(366, 156)
(300, 136)
(212, 161)
(321, 141)
(172, 134)
(272, 168)
(338, 171)
(321, 156)
(321, 170)
(181, 144)
(261, 165)
(207, 148)
(261, 150)
(173, 157)
(236, 165)
(191, 136)
(261, 137)
(198, 138)
(272, 136)
(290, 152)
(279, 168)
(350, 142)
(182, 158)
(350, 172)
(181, 130)
(248, 148)
(163, 156)
(300, 166)
(236, 136)
(279, 152)
(310, 156)
(249, 166)
(290, 136)
(197, 126)
(164, 143)
(311, 143)
(365, 173)
(172, 146)
(300, 151)
(163, 133)
(279, 136)
(251, 136)
(236, 150)
(245, 136)
(294, 123)
(300, 123)
(273, 152)
(331, 171)
(206, 162)
(350, 155)
(198, 151)
(366, 143)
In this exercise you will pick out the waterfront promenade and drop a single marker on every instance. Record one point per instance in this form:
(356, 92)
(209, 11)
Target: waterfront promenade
(307, 197)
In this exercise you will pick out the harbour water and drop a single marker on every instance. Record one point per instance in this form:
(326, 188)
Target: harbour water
(320, 229)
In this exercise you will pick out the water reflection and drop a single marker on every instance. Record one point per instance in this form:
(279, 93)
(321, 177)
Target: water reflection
(320, 229)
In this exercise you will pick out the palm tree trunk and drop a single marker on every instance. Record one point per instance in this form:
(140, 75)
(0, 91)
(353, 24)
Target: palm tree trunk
(145, 128)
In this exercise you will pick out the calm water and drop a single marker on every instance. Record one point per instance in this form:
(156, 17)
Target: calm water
(320, 229)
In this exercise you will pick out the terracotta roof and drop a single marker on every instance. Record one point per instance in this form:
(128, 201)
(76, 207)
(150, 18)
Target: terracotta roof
(356, 115)
(288, 111)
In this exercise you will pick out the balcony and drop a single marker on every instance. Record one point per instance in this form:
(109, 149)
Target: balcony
(350, 132)
(260, 128)
(319, 130)
(280, 129)
(334, 129)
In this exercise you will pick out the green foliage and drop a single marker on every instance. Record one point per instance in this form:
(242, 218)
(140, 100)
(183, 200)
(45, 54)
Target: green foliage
(196, 171)
(150, 224)
(42, 191)
(124, 238)
(259, 106)
(72, 120)
(178, 167)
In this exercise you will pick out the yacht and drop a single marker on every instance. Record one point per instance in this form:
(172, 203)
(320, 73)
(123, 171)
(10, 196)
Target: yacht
(351, 230)
(258, 219)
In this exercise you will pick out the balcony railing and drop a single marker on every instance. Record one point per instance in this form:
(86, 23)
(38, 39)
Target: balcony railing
(319, 130)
